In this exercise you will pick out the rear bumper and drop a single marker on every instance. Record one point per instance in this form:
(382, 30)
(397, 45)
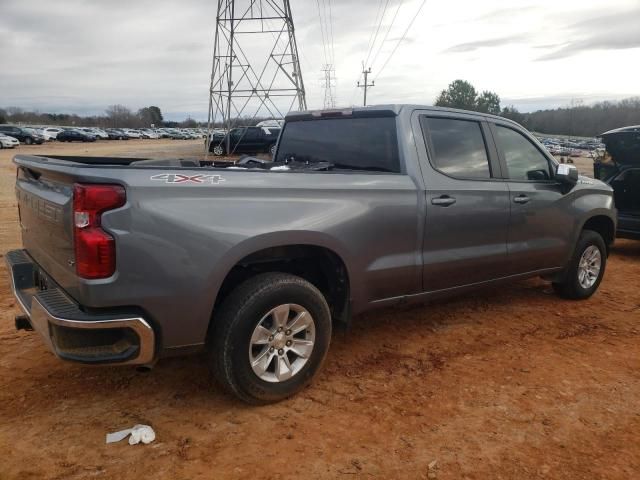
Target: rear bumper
(70, 332)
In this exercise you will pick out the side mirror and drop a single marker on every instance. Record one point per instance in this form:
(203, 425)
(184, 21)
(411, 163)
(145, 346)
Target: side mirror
(567, 174)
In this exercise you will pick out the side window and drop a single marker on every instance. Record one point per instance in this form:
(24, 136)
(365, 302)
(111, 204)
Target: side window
(524, 161)
(458, 147)
(252, 134)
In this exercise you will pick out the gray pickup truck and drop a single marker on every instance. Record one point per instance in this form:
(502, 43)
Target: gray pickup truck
(128, 260)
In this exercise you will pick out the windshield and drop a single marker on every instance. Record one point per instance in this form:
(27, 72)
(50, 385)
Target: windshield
(349, 143)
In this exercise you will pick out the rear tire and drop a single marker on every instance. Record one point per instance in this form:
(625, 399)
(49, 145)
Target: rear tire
(269, 338)
(585, 269)
(218, 150)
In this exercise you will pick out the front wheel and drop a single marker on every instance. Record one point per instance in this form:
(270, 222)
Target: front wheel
(585, 269)
(218, 150)
(270, 337)
(272, 149)
(28, 141)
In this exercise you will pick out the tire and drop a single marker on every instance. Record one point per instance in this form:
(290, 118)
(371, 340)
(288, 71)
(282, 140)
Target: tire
(272, 149)
(28, 141)
(218, 150)
(589, 252)
(232, 347)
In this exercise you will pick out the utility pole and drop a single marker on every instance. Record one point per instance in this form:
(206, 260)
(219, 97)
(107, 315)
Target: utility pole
(366, 85)
(249, 81)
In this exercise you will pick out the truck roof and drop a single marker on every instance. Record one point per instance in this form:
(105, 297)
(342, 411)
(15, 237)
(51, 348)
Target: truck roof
(382, 110)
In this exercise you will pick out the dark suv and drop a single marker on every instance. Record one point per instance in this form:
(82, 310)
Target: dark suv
(21, 134)
(245, 140)
(622, 173)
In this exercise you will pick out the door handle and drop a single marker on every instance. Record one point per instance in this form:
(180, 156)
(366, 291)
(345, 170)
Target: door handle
(521, 199)
(443, 201)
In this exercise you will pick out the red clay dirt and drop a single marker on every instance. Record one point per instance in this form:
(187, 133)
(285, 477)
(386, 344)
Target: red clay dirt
(506, 383)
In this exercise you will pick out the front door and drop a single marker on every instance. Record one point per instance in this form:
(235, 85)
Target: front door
(467, 202)
(540, 226)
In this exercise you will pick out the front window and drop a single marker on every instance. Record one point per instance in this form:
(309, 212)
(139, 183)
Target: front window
(346, 143)
(524, 161)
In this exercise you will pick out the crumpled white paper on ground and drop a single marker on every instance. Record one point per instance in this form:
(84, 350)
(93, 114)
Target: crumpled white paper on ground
(139, 433)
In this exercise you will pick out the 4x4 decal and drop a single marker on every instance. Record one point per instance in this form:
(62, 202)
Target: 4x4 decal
(179, 178)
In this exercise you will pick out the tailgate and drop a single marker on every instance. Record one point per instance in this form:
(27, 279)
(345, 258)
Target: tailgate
(45, 203)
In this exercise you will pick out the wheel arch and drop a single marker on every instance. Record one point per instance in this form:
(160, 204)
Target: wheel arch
(319, 261)
(602, 224)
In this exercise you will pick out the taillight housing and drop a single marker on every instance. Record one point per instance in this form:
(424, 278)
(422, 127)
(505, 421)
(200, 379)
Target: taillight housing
(95, 249)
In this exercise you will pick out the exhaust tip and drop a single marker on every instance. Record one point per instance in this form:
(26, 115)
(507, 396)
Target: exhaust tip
(22, 323)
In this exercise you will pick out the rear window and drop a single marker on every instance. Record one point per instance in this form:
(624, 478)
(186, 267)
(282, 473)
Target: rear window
(458, 147)
(350, 143)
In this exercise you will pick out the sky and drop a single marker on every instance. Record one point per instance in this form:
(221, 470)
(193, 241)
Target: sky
(79, 56)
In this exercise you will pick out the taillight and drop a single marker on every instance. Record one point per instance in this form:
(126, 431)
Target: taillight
(95, 249)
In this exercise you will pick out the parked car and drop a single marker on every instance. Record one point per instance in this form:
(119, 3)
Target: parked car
(74, 135)
(622, 172)
(360, 209)
(51, 132)
(116, 134)
(96, 132)
(148, 133)
(176, 134)
(131, 133)
(46, 135)
(8, 142)
(245, 140)
(23, 135)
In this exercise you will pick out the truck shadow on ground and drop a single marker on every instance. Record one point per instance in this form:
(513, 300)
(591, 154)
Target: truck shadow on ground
(627, 248)
(375, 344)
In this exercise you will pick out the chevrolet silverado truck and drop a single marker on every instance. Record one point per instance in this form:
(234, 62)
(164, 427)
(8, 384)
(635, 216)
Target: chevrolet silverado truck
(128, 260)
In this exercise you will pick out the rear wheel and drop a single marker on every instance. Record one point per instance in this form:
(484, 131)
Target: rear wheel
(585, 269)
(270, 338)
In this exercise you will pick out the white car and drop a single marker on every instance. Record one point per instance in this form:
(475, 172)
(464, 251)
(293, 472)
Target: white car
(132, 133)
(49, 133)
(148, 133)
(96, 132)
(8, 142)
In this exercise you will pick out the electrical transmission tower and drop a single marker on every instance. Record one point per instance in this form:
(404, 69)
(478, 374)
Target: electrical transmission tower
(256, 68)
(329, 86)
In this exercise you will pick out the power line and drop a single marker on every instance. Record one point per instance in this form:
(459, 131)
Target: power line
(333, 51)
(324, 43)
(386, 35)
(384, 10)
(401, 39)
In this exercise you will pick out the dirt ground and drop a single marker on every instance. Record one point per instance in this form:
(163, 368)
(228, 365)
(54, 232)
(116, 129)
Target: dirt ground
(506, 383)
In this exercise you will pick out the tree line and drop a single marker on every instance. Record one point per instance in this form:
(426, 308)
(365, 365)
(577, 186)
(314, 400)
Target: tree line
(115, 116)
(576, 119)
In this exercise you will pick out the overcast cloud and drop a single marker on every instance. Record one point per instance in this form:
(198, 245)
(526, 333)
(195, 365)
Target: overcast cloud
(81, 56)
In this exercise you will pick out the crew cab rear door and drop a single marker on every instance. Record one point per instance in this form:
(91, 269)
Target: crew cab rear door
(465, 234)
